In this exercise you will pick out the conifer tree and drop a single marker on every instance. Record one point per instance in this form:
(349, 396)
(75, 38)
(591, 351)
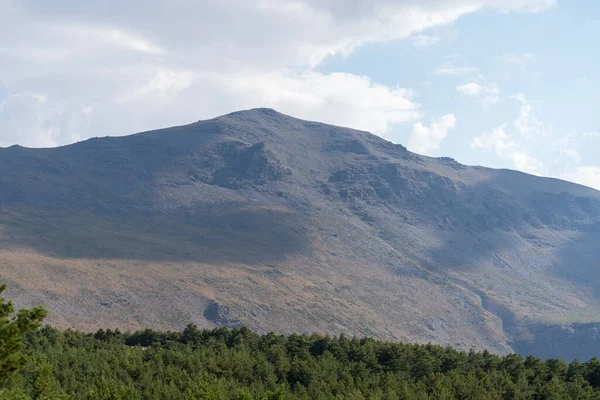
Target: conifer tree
(12, 328)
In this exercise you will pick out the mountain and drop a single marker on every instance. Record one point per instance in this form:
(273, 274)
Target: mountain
(256, 218)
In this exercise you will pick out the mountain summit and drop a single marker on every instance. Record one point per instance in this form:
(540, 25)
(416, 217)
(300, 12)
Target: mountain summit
(256, 218)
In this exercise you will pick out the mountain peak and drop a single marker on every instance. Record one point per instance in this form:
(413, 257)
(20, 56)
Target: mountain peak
(259, 112)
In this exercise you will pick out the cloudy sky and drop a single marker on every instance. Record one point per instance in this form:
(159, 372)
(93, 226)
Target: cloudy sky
(500, 83)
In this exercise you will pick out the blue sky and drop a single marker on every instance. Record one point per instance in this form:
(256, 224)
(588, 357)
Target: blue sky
(544, 59)
(501, 83)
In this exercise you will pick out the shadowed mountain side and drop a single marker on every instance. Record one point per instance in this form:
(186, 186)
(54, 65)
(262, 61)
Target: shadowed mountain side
(218, 234)
(289, 225)
(565, 341)
(533, 252)
(490, 229)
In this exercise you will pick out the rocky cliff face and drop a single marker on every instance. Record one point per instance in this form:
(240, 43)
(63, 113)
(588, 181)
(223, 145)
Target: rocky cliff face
(291, 225)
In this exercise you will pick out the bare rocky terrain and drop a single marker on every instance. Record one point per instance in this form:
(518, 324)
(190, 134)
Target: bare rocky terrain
(260, 219)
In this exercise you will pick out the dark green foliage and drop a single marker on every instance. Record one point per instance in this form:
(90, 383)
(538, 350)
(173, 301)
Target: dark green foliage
(241, 365)
(12, 328)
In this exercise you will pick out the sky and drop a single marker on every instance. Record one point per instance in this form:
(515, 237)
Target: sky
(500, 83)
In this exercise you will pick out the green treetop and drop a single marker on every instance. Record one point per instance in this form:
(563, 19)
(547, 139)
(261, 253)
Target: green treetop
(12, 328)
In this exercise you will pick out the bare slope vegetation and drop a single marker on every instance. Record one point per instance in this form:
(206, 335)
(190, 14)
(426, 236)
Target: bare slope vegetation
(262, 219)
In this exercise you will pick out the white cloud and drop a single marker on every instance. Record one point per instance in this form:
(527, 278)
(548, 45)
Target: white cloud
(338, 98)
(528, 122)
(341, 99)
(37, 120)
(133, 71)
(523, 161)
(425, 139)
(110, 37)
(571, 153)
(456, 65)
(489, 94)
(523, 6)
(471, 89)
(570, 146)
(425, 40)
(567, 147)
(506, 148)
(585, 175)
(163, 86)
(529, 129)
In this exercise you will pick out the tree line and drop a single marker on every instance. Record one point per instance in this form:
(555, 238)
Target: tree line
(47, 363)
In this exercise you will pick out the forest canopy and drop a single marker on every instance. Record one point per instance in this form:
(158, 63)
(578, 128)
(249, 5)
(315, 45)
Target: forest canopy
(239, 364)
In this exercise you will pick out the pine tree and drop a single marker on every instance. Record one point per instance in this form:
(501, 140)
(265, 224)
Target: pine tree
(12, 328)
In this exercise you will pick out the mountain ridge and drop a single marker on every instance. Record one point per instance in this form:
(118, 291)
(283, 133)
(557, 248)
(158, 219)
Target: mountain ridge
(337, 230)
(273, 112)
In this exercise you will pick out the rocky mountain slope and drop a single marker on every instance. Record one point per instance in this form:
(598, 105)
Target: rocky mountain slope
(281, 224)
